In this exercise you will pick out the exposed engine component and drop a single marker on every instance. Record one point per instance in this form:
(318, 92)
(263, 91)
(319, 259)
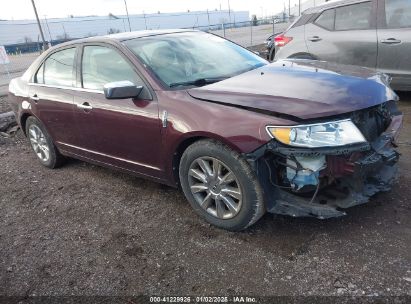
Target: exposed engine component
(373, 121)
(305, 170)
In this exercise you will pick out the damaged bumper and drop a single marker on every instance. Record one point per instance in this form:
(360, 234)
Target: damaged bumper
(330, 179)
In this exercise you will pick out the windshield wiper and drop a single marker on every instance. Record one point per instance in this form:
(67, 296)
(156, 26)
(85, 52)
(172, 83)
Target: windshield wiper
(197, 82)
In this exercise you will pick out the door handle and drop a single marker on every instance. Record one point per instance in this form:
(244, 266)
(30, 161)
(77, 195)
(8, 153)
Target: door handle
(391, 41)
(314, 39)
(35, 97)
(85, 106)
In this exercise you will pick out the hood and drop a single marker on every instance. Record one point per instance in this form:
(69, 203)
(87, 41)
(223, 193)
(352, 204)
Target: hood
(301, 89)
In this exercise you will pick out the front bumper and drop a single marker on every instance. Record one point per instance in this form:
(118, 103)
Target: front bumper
(358, 172)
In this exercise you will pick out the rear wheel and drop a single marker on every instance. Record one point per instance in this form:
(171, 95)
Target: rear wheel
(220, 185)
(42, 144)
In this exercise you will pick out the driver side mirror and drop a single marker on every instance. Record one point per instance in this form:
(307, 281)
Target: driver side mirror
(122, 90)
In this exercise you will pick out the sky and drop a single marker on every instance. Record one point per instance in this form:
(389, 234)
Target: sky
(22, 9)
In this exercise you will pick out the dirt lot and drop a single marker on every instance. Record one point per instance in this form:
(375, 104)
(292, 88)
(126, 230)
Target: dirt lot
(86, 230)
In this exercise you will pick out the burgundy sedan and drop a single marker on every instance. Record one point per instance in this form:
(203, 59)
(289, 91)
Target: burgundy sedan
(189, 109)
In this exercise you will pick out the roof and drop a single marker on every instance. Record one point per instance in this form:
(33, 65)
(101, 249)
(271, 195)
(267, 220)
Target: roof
(125, 36)
(332, 4)
(139, 34)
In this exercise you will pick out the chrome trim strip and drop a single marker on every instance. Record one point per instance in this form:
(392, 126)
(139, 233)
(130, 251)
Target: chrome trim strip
(65, 88)
(84, 106)
(164, 119)
(109, 156)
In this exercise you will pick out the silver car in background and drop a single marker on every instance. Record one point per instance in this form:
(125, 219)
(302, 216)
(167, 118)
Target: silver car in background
(369, 33)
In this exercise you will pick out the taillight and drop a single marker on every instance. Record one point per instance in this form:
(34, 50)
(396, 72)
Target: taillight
(282, 40)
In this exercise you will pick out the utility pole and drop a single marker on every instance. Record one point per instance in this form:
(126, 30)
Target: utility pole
(208, 17)
(289, 9)
(48, 28)
(229, 10)
(273, 25)
(299, 7)
(128, 18)
(145, 20)
(45, 46)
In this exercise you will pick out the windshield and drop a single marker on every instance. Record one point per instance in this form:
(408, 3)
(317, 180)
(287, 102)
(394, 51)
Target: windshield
(193, 58)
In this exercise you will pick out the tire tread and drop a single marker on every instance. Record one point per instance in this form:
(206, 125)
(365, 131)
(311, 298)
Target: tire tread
(259, 206)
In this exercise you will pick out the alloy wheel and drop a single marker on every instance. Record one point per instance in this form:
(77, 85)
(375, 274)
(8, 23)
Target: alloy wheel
(215, 187)
(39, 143)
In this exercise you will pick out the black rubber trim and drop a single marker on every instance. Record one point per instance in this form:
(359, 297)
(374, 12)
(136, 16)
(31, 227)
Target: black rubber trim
(278, 148)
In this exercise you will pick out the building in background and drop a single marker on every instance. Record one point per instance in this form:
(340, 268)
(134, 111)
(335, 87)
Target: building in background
(23, 35)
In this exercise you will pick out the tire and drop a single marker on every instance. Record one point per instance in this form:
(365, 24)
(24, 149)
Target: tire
(302, 56)
(271, 55)
(231, 201)
(43, 145)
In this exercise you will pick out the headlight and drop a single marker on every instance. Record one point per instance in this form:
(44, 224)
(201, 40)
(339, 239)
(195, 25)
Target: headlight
(329, 134)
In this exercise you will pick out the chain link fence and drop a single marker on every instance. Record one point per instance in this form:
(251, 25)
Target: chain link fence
(250, 34)
(18, 63)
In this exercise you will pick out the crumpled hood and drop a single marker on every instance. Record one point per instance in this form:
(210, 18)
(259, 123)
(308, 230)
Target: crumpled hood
(303, 89)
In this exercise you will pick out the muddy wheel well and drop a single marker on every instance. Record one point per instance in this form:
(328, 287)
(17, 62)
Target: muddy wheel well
(23, 120)
(179, 152)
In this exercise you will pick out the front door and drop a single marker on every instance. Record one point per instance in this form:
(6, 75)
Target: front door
(394, 41)
(124, 133)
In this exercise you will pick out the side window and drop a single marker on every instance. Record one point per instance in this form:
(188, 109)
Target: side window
(39, 78)
(102, 65)
(58, 69)
(326, 19)
(353, 17)
(398, 13)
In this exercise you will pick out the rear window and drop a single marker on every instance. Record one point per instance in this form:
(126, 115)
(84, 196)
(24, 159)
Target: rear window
(353, 17)
(302, 20)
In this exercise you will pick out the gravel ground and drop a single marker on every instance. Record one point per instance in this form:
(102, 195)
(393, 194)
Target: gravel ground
(87, 230)
(4, 106)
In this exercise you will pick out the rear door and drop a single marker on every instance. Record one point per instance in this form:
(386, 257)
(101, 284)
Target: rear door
(345, 34)
(394, 41)
(51, 95)
(124, 133)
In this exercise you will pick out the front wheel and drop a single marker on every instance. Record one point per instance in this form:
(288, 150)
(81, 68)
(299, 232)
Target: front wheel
(220, 185)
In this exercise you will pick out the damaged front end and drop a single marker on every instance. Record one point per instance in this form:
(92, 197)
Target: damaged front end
(322, 181)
